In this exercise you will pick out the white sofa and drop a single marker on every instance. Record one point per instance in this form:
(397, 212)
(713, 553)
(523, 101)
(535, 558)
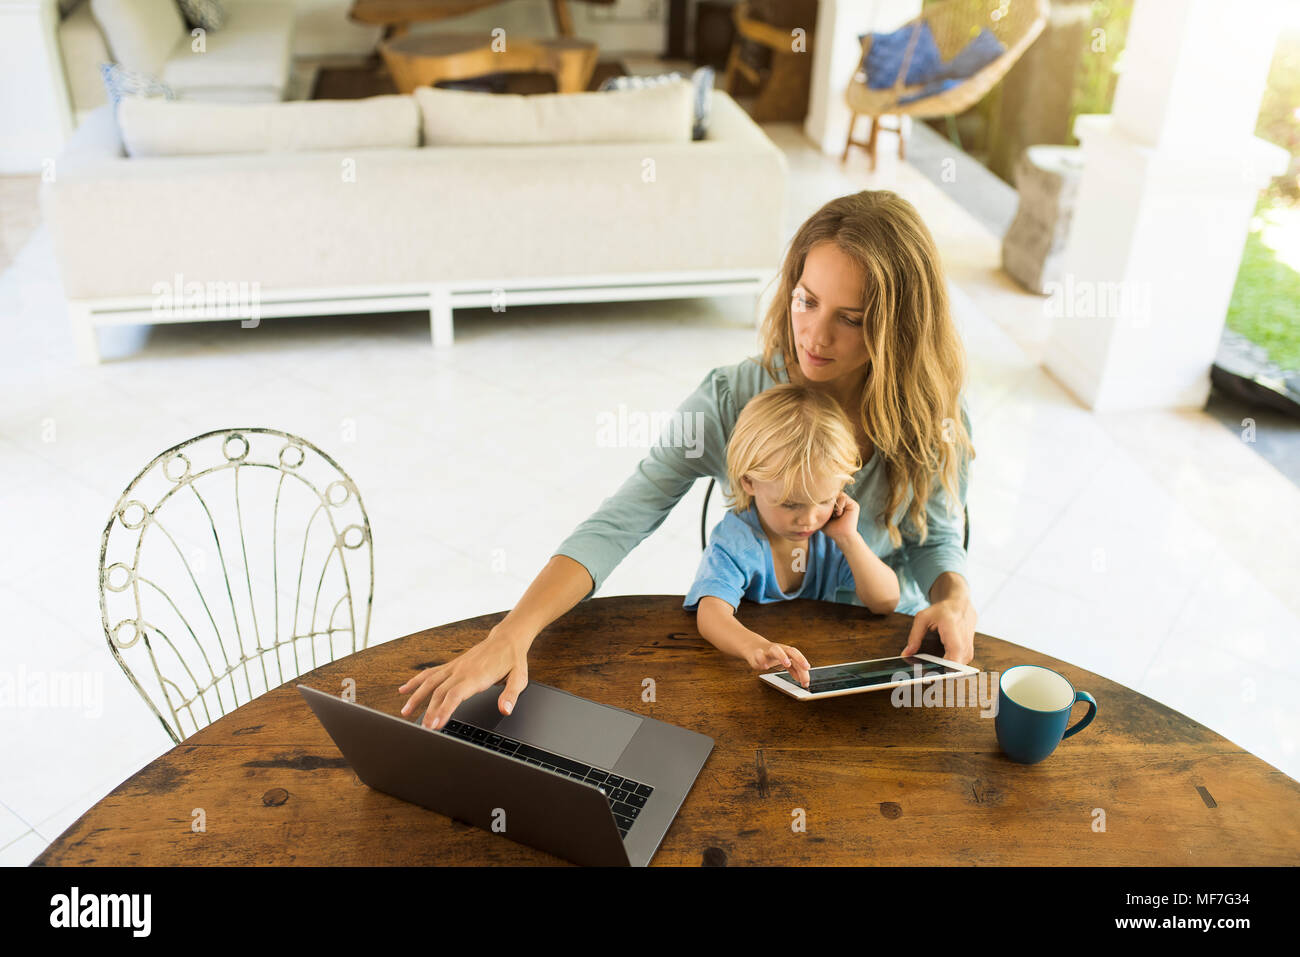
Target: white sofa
(386, 228)
(247, 60)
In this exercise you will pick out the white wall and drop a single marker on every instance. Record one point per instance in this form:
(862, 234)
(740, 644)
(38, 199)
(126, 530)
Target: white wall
(32, 93)
(836, 55)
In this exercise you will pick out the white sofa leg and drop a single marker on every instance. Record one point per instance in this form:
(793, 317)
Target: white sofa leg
(440, 318)
(84, 339)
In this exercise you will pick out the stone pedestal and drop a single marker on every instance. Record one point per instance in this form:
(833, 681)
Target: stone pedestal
(1047, 178)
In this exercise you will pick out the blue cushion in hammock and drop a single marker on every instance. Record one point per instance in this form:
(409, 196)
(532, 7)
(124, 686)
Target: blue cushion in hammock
(885, 58)
(972, 58)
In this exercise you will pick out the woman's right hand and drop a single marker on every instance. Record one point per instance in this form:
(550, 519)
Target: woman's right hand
(502, 654)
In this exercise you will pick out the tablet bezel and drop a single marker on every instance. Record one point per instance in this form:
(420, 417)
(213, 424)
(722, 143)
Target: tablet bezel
(803, 694)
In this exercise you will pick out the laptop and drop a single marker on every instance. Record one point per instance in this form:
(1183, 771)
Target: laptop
(584, 781)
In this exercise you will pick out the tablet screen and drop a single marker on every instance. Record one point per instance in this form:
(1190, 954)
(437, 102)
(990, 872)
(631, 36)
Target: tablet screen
(867, 673)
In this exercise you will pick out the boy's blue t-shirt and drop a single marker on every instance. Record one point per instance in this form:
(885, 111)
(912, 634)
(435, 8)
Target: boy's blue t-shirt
(738, 564)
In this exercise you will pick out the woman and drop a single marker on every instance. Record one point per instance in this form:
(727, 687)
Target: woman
(862, 315)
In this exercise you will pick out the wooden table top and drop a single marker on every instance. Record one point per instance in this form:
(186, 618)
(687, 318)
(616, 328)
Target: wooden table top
(876, 784)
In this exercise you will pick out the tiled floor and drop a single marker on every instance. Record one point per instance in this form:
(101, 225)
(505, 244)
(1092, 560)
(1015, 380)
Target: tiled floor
(1154, 549)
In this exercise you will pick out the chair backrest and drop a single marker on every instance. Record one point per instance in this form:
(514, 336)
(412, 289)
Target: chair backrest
(954, 23)
(233, 562)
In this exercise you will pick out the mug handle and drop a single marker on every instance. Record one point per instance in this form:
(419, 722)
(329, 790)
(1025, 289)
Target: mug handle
(1087, 718)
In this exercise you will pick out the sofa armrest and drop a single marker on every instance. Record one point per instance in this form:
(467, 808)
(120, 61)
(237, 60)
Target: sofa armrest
(96, 140)
(729, 123)
(92, 151)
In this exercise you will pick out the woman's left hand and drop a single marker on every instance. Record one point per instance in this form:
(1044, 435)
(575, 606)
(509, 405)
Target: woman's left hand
(954, 619)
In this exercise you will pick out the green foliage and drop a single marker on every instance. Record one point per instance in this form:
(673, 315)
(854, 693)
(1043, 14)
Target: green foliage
(1103, 41)
(1265, 305)
(1279, 112)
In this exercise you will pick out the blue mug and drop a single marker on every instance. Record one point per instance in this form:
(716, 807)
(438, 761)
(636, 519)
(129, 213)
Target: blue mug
(1033, 709)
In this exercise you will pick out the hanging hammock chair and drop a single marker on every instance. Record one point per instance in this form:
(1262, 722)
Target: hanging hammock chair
(953, 24)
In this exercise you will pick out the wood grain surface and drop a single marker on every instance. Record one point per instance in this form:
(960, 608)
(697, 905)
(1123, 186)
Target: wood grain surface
(875, 783)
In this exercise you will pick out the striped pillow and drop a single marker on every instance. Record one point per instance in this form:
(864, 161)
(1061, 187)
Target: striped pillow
(701, 80)
(205, 14)
(120, 82)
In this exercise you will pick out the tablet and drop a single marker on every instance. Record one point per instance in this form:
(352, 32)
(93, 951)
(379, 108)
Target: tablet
(877, 674)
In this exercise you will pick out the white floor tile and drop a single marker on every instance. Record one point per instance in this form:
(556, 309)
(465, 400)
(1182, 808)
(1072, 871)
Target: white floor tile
(12, 826)
(1005, 526)
(1096, 635)
(22, 851)
(1146, 570)
(1038, 442)
(81, 705)
(1255, 707)
(1230, 612)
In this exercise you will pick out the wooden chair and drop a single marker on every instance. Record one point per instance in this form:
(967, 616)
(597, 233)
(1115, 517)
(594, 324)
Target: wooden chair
(954, 23)
(785, 82)
(200, 630)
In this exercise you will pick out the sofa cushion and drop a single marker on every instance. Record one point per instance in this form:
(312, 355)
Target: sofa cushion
(152, 127)
(252, 49)
(141, 34)
(701, 83)
(663, 113)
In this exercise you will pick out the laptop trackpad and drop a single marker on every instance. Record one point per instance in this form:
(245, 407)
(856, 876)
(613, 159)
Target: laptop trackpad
(560, 722)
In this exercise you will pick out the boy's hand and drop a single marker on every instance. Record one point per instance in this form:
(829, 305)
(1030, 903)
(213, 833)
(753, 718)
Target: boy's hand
(843, 523)
(768, 654)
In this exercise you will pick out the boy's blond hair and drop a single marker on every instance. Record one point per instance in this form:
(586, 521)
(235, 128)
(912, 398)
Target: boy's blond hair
(789, 434)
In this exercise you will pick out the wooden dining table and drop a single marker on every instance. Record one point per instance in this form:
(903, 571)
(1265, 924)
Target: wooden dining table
(843, 781)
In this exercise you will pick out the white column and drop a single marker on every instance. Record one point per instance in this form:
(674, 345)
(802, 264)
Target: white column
(35, 115)
(1169, 184)
(836, 54)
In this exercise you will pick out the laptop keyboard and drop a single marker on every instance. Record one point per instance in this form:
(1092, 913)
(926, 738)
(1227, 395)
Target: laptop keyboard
(626, 797)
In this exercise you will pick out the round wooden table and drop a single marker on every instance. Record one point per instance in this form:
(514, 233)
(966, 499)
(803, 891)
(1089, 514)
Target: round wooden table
(875, 784)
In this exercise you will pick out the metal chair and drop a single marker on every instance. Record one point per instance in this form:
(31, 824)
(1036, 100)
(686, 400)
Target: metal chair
(704, 520)
(204, 528)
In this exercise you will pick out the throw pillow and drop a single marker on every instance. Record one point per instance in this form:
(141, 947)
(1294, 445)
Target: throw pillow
(141, 34)
(657, 114)
(154, 127)
(885, 58)
(205, 14)
(120, 82)
(974, 56)
(702, 91)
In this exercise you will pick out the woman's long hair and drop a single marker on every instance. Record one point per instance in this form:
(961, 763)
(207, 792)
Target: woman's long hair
(910, 407)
